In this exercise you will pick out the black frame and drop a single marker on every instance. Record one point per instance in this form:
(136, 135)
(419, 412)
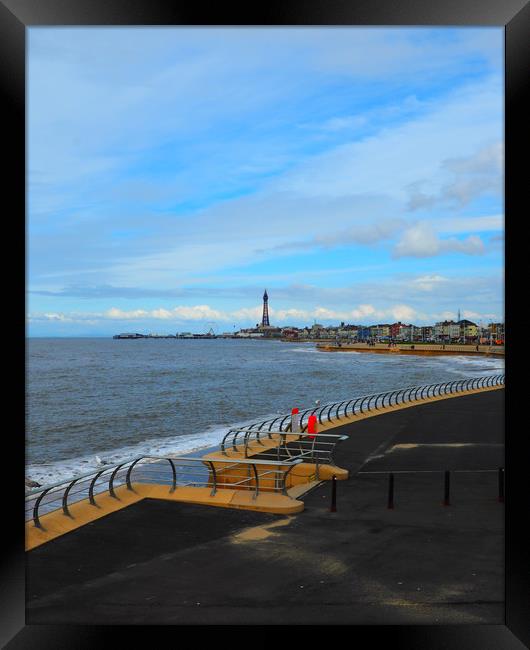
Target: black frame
(514, 15)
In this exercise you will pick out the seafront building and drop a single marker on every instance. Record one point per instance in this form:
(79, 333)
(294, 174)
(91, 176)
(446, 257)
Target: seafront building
(447, 331)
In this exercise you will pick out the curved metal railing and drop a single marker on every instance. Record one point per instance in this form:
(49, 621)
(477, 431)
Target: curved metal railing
(328, 413)
(281, 445)
(242, 474)
(267, 433)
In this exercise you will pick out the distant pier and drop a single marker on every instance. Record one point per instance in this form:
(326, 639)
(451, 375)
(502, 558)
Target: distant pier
(174, 336)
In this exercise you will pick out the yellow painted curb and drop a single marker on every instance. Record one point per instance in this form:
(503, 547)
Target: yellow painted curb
(301, 479)
(56, 523)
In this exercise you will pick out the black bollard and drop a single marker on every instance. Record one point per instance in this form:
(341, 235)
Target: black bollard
(390, 504)
(333, 507)
(501, 485)
(446, 488)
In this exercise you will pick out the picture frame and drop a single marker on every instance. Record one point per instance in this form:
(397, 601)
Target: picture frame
(15, 17)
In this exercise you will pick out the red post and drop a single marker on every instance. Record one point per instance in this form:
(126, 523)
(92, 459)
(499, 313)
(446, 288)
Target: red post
(312, 425)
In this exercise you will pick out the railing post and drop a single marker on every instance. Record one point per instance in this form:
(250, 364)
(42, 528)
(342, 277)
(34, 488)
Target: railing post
(501, 485)
(247, 436)
(174, 477)
(128, 476)
(66, 512)
(257, 480)
(390, 504)
(36, 520)
(214, 476)
(111, 481)
(91, 489)
(333, 507)
(284, 480)
(447, 485)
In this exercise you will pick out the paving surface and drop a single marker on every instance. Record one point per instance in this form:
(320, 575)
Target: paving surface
(421, 562)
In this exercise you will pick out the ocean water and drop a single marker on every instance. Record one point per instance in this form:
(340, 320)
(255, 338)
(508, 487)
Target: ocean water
(123, 398)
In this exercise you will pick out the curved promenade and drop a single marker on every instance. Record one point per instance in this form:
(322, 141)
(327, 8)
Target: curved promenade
(416, 348)
(162, 562)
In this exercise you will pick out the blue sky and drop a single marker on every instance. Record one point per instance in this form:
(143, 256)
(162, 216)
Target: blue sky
(174, 173)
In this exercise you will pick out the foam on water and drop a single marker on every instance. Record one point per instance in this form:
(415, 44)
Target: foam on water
(138, 404)
(63, 470)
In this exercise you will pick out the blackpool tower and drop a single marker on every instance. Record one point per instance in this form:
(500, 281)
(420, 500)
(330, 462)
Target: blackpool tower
(265, 317)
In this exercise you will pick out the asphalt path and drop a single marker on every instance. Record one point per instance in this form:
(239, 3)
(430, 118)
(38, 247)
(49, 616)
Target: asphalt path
(421, 562)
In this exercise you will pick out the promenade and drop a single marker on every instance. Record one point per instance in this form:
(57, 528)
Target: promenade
(427, 349)
(418, 563)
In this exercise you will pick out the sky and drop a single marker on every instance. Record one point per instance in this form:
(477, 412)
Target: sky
(175, 173)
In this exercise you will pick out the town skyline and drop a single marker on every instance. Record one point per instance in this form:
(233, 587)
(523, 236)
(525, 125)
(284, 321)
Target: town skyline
(357, 173)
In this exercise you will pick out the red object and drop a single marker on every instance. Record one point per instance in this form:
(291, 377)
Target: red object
(295, 410)
(312, 425)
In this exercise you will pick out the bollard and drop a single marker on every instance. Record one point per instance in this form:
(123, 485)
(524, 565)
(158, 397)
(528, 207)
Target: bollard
(446, 488)
(312, 425)
(333, 507)
(390, 504)
(501, 485)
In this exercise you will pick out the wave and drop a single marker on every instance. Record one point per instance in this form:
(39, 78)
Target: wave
(201, 443)
(322, 355)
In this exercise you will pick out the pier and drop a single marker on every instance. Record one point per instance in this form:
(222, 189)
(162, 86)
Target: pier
(425, 560)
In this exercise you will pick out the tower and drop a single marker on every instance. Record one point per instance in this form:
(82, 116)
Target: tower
(265, 317)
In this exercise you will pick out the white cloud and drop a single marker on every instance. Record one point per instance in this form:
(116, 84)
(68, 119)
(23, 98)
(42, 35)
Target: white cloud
(367, 234)
(342, 196)
(193, 313)
(469, 224)
(420, 240)
(401, 155)
(470, 177)
(118, 314)
(429, 282)
(403, 313)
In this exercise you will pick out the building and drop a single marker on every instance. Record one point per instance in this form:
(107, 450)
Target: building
(410, 333)
(468, 330)
(447, 330)
(496, 331)
(291, 332)
(427, 333)
(395, 329)
(363, 333)
(380, 331)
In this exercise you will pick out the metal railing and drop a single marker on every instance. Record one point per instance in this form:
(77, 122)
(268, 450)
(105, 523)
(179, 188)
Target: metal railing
(336, 411)
(241, 474)
(282, 445)
(289, 448)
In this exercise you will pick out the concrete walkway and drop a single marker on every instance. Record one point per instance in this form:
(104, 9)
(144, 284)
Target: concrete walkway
(165, 562)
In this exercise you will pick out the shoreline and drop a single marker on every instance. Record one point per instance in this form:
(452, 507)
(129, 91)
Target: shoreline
(367, 561)
(417, 349)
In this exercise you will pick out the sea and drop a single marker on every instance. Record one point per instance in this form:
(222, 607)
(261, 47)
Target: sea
(120, 399)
